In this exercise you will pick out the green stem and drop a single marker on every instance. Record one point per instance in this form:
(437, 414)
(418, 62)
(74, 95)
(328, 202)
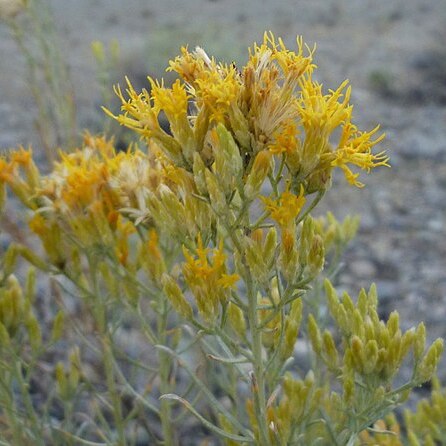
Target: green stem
(112, 388)
(21, 374)
(259, 221)
(7, 401)
(313, 204)
(164, 372)
(106, 340)
(258, 379)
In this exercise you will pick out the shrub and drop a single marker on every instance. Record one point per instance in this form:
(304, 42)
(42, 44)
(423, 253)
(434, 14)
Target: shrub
(200, 240)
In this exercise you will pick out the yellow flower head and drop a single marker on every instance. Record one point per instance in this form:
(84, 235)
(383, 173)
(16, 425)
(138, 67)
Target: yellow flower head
(173, 101)
(207, 277)
(271, 78)
(286, 140)
(323, 112)
(201, 268)
(286, 208)
(355, 148)
(218, 90)
(212, 85)
(22, 157)
(228, 280)
(188, 65)
(38, 225)
(7, 171)
(20, 161)
(83, 186)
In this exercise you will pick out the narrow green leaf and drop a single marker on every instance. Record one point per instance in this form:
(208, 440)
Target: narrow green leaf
(206, 423)
(216, 405)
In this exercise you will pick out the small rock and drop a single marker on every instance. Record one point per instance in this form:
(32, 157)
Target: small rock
(363, 268)
(388, 290)
(435, 225)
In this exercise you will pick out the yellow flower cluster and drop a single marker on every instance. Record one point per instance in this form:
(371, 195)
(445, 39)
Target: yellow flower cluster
(85, 192)
(300, 400)
(286, 208)
(426, 426)
(16, 312)
(207, 277)
(334, 233)
(271, 103)
(23, 188)
(374, 349)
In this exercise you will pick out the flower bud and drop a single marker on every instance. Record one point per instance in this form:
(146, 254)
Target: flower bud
(229, 152)
(269, 248)
(412, 439)
(291, 332)
(430, 361)
(362, 304)
(34, 332)
(393, 323)
(370, 356)
(9, 261)
(319, 180)
(58, 326)
(5, 339)
(419, 341)
(358, 356)
(153, 258)
(296, 311)
(199, 168)
(316, 256)
(216, 195)
(306, 237)
(260, 169)
(407, 341)
(255, 260)
(61, 381)
(349, 389)
(314, 334)
(172, 205)
(30, 285)
(358, 325)
(240, 127)
(373, 296)
(74, 373)
(236, 319)
(329, 350)
(176, 297)
(289, 255)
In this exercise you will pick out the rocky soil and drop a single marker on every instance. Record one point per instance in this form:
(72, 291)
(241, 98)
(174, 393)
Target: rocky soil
(394, 53)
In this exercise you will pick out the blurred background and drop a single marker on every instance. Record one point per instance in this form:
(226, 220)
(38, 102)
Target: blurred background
(59, 60)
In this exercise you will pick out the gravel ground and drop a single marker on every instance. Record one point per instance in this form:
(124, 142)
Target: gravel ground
(394, 53)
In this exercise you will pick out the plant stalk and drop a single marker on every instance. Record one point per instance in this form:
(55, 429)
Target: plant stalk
(258, 379)
(164, 372)
(106, 340)
(258, 383)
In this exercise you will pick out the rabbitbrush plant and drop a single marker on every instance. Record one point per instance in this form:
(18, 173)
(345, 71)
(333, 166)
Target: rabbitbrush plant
(198, 245)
